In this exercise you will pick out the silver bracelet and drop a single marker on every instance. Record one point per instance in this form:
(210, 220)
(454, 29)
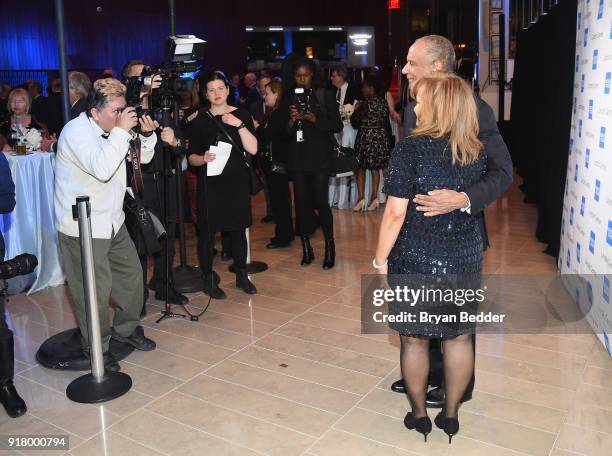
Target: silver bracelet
(379, 266)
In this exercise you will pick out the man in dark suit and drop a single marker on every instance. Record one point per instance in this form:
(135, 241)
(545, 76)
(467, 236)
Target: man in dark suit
(79, 86)
(346, 92)
(39, 109)
(427, 55)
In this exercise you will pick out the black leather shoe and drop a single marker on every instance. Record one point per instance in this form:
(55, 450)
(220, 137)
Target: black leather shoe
(267, 219)
(211, 287)
(277, 245)
(398, 386)
(14, 405)
(436, 398)
(110, 363)
(137, 340)
(174, 297)
(243, 282)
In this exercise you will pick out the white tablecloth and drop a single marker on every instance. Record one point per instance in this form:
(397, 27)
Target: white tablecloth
(30, 228)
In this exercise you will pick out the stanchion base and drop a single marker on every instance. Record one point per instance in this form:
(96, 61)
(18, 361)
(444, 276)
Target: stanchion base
(188, 279)
(87, 390)
(63, 351)
(254, 267)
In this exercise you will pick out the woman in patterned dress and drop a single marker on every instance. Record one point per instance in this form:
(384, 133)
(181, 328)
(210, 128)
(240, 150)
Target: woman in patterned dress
(373, 143)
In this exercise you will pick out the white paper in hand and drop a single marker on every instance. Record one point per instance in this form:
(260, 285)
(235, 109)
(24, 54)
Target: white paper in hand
(222, 151)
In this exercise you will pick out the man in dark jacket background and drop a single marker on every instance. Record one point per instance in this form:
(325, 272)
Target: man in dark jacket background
(10, 399)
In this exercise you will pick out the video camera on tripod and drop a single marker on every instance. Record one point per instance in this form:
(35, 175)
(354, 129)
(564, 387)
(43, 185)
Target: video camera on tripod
(184, 53)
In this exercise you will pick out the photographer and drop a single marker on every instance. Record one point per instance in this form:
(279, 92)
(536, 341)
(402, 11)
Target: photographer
(159, 179)
(312, 116)
(224, 201)
(91, 161)
(12, 402)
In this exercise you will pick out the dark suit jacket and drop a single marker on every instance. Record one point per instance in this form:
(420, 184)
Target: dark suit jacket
(353, 93)
(498, 175)
(40, 109)
(253, 96)
(79, 107)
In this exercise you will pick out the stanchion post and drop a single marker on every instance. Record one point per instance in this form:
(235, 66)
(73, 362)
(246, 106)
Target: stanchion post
(100, 385)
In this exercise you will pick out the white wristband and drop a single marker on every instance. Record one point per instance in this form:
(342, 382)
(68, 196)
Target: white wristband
(379, 266)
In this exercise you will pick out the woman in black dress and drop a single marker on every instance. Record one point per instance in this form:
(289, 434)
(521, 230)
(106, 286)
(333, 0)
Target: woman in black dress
(442, 152)
(311, 117)
(224, 201)
(373, 142)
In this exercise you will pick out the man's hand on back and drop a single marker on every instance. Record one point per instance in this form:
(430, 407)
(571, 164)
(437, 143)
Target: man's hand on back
(438, 202)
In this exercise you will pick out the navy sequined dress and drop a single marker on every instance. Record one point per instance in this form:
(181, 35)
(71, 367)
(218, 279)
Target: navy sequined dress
(442, 252)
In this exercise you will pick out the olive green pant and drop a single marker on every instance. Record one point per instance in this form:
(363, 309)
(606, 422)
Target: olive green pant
(118, 275)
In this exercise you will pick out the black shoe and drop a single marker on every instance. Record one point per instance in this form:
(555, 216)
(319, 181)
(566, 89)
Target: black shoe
(174, 297)
(110, 363)
(398, 386)
(307, 253)
(267, 219)
(243, 282)
(14, 405)
(226, 256)
(330, 254)
(422, 425)
(449, 425)
(211, 287)
(277, 245)
(436, 398)
(137, 340)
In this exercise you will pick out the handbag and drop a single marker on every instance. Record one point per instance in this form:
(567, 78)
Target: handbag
(276, 166)
(255, 183)
(140, 225)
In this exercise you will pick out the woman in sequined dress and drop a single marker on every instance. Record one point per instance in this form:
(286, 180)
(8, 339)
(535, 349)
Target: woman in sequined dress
(435, 252)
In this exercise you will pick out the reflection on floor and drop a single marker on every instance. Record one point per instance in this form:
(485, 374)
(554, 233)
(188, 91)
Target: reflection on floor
(288, 372)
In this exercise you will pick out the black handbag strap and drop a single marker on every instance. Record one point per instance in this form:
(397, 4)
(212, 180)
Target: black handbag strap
(231, 140)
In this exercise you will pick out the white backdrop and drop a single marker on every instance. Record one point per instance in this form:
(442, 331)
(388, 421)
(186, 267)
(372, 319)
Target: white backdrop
(586, 227)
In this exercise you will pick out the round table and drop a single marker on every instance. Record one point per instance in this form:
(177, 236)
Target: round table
(30, 228)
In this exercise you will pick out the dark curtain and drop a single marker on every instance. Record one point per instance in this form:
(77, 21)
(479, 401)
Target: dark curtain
(542, 112)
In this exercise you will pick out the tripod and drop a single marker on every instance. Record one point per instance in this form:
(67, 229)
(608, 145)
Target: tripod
(168, 105)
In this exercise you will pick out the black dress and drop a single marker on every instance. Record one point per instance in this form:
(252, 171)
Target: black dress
(373, 144)
(444, 251)
(224, 201)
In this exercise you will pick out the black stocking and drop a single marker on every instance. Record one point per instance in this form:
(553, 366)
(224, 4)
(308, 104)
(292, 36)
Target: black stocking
(458, 370)
(414, 361)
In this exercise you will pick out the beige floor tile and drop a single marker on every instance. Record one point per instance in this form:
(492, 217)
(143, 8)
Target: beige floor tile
(584, 441)
(337, 442)
(337, 339)
(237, 325)
(312, 394)
(111, 443)
(590, 417)
(28, 424)
(188, 348)
(247, 312)
(599, 357)
(559, 452)
(562, 378)
(260, 405)
(54, 379)
(167, 363)
(311, 371)
(392, 432)
(148, 382)
(204, 333)
(177, 439)
(83, 420)
(241, 429)
(25, 350)
(24, 306)
(339, 310)
(594, 396)
(26, 328)
(535, 393)
(548, 342)
(268, 302)
(282, 281)
(331, 355)
(126, 404)
(598, 377)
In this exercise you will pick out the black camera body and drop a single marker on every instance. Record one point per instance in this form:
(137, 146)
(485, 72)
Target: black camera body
(301, 100)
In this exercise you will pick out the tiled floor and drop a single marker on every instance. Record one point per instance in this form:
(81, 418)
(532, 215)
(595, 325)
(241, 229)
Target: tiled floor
(287, 371)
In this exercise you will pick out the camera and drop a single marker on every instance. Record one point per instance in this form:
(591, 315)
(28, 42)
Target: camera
(20, 265)
(183, 55)
(301, 100)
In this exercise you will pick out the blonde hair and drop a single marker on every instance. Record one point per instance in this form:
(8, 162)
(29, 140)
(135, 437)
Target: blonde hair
(448, 109)
(20, 93)
(106, 90)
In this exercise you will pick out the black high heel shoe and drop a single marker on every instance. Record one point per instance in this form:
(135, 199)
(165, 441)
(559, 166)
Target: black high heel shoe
(449, 425)
(421, 425)
(330, 254)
